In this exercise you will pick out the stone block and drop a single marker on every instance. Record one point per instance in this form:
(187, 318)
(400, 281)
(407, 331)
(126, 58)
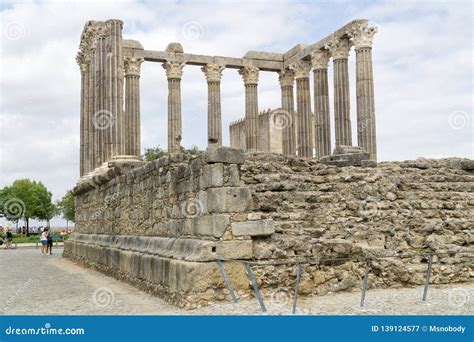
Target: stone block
(227, 155)
(349, 159)
(208, 225)
(228, 200)
(212, 176)
(237, 249)
(253, 228)
(467, 164)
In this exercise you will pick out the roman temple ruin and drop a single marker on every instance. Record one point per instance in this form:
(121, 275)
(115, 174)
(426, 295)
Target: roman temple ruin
(278, 207)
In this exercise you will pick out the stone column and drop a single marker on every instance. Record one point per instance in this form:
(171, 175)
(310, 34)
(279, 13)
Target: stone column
(83, 63)
(213, 74)
(98, 154)
(132, 104)
(287, 79)
(339, 49)
(174, 71)
(115, 145)
(362, 37)
(322, 128)
(90, 119)
(303, 105)
(250, 77)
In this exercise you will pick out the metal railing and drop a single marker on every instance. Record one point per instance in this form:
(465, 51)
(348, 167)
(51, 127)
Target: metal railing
(368, 260)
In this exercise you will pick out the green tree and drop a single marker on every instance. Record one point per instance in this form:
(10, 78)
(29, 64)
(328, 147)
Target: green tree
(153, 153)
(158, 152)
(66, 207)
(26, 199)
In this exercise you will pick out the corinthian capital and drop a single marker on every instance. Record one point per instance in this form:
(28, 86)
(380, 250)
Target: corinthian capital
(173, 69)
(286, 78)
(362, 35)
(320, 59)
(132, 65)
(213, 72)
(301, 69)
(249, 74)
(339, 48)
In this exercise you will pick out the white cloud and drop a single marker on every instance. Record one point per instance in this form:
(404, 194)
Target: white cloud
(422, 62)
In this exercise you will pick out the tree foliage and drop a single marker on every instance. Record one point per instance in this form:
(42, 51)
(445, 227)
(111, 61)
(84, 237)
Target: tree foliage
(66, 206)
(158, 152)
(26, 199)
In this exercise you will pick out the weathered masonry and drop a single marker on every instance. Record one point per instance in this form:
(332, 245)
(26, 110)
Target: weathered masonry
(110, 98)
(162, 225)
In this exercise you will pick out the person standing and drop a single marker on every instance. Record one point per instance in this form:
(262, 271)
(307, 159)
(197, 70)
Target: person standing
(49, 249)
(9, 239)
(44, 241)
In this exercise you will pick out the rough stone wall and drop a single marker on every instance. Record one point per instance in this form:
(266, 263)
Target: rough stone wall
(162, 226)
(329, 212)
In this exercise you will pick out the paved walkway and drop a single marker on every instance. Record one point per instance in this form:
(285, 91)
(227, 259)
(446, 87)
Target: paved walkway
(32, 284)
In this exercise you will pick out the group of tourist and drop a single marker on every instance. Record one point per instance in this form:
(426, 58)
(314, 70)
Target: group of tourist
(46, 239)
(8, 239)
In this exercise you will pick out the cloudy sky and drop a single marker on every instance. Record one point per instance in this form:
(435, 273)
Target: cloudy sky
(422, 67)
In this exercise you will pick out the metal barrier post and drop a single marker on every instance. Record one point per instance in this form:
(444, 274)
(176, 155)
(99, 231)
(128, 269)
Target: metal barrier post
(427, 279)
(255, 287)
(297, 286)
(227, 281)
(364, 284)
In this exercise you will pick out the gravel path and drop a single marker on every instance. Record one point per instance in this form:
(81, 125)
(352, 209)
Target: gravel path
(32, 284)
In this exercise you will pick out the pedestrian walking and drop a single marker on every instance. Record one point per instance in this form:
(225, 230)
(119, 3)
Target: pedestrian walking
(44, 241)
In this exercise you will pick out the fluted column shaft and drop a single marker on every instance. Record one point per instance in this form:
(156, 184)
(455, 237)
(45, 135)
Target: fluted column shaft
(366, 128)
(89, 121)
(286, 79)
(132, 110)
(132, 104)
(98, 151)
(213, 74)
(303, 108)
(174, 71)
(322, 132)
(339, 50)
(321, 105)
(250, 77)
(84, 66)
(114, 93)
(342, 118)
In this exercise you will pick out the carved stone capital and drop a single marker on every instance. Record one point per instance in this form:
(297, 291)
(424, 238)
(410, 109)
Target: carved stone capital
(174, 70)
(339, 48)
(132, 65)
(320, 59)
(362, 35)
(286, 78)
(249, 74)
(82, 61)
(213, 72)
(301, 69)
